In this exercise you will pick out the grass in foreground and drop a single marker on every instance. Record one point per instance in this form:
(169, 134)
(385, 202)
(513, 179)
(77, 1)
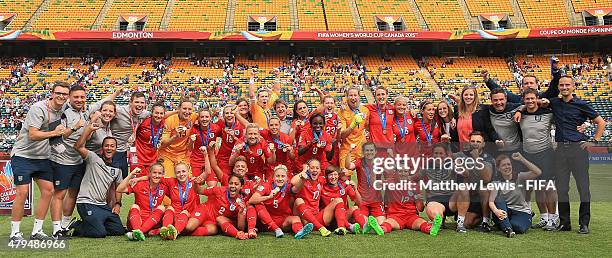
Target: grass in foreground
(405, 243)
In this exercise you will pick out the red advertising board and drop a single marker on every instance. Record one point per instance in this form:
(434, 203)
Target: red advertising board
(8, 192)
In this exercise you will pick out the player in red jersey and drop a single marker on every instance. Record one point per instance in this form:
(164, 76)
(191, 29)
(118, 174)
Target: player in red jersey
(283, 148)
(148, 139)
(403, 206)
(256, 150)
(404, 128)
(225, 207)
(308, 200)
(371, 204)
(147, 210)
(380, 122)
(183, 193)
(300, 120)
(201, 135)
(428, 130)
(332, 122)
(334, 188)
(273, 201)
(315, 143)
(232, 131)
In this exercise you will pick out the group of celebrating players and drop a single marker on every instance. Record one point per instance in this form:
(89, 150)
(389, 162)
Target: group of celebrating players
(264, 170)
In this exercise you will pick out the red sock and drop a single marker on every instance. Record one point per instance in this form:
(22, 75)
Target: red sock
(229, 229)
(200, 231)
(307, 215)
(152, 220)
(154, 232)
(251, 215)
(168, 218)
(386, 227)
(296, 227)
(340, 213)
(134, 218)
(181, 222)
(359, 217)
(265, 218)
(425, 227)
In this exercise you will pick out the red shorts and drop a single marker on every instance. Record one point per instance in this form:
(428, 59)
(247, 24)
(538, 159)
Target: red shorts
(375, 209)
(201, 214)
(404, 220)
(279, 220)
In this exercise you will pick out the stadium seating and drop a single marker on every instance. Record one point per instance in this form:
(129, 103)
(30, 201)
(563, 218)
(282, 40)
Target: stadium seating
(338, 15)
(310, 15)
(69, 14)
(369, 9)
(442, 14)
(278, 8)
(544, 13)
(404, 78)
(478, 7)
(153, 8)
(198, 15)
(580, 5)
(23, 8)
(452, 74)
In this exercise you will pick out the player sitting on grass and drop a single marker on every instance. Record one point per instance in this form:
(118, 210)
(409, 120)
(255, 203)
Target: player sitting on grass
(511, 212)
(148, 209)
(273, 201)
(403, 207)
(335, 189)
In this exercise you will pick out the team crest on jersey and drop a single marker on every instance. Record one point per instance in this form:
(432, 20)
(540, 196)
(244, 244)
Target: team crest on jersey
(247, 191)
(19, 178)
(322, 143)
(409, 121)
(259, 152)
(342, 191)
(335, 122)
(89, 213)
(390, 112)
(538, 118)
(161, 193)
(319, 186)
(211, 135)
(197, 214)
(237, 132)
(508, 115)
(260, 188)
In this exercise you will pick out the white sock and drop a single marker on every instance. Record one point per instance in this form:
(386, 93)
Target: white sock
(38, 225)
(65, 221)
(460, 220)
(15, 227)
(57, 226)
(544, 217)
(485, 220)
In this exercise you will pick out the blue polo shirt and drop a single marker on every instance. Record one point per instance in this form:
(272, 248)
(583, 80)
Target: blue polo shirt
(568, 116)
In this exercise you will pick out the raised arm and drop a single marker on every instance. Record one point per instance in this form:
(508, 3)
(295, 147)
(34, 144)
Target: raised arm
(80, 143)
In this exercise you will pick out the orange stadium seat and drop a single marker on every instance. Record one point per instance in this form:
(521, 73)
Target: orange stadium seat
(69, 14)
(581, 5)
(338, 15)
(369, 9)
(404, 78)
(442, 14)
(153, 8)
(198, 15)
(310, 15)
(278, 8)
(544, 13)
(23, 8)
(478, 7)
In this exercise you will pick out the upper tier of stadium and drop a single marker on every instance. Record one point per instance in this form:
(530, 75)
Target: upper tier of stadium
(304, 15)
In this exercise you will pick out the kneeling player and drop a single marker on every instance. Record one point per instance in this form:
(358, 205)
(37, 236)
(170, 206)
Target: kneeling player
(147, 210)
(371, 204)
(273, 203)
(404, 207)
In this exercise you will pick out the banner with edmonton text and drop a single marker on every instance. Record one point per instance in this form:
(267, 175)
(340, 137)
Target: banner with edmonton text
(8, 191)
(500, 34)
